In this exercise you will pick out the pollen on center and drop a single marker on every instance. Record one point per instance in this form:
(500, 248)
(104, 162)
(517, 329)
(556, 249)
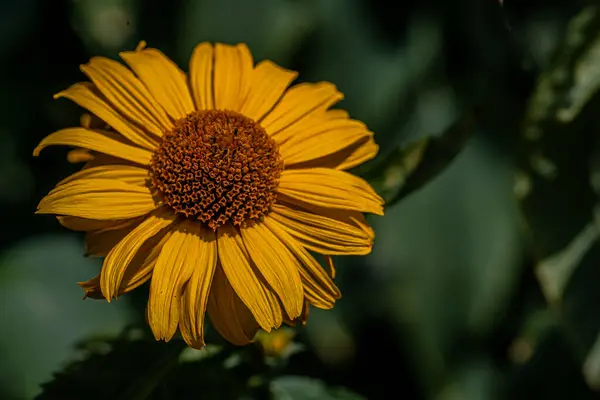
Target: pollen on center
(218, 167)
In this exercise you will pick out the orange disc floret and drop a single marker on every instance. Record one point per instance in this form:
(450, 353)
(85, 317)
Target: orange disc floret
(218, 167)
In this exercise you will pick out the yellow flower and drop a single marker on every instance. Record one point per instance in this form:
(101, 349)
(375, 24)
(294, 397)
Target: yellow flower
(216, 186)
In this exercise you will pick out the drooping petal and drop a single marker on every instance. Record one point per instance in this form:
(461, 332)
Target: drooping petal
(131, 174)
(201, 76)
(127, 94)
(77, 156)
(96, 140)
(330, 188)
(138, 271)
(232, 76)
(321, 233)
(246, 280)
(117, 261)
(319, 289)
(299, 104)
(330, 265)
(163, 79)
(303, 318)
(100, 242)
(91, 288)
(104, 159)
(245, 318)
(277, 265)
(87, 96)
(141, 267)
(229, 316)
(90, 121)
(103, 199)
(177, 260)
(85, 224)
(195, 296)
(268, 83)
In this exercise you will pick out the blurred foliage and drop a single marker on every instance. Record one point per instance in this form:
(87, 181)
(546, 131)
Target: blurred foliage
(406, 169)
(483, 283)
(135, 367)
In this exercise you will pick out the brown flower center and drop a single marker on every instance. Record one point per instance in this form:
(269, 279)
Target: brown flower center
(218, 167)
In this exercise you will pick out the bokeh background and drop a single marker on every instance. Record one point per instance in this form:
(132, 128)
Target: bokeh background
(482, 283)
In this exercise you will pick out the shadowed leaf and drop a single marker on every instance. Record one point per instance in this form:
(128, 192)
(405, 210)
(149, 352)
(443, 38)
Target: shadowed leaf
(407, 169)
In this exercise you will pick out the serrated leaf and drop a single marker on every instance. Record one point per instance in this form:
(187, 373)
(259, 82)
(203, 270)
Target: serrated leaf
(408, 168)
(292, 387)
(114, 369)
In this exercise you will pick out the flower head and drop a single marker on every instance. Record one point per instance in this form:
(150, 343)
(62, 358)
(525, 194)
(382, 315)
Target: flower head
(217, 187)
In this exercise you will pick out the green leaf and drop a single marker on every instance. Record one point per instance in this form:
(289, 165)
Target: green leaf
(292, 387)
(135, 367)
(554, 272)
(573, 77)
(553, 179)
(556, 187)
(121, 368)
(407, 169)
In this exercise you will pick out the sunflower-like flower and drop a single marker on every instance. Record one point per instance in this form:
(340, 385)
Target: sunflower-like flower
(217, 187)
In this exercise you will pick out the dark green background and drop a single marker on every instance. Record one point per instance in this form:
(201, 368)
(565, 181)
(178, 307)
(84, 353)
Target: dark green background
(448, 306)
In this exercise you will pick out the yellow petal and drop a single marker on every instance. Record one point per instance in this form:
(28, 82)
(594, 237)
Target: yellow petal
(163, 79)
(87, 96)
(127, 94)
(117, 261)
(138, 271)
(302, 318)
(336, 114)
(104, 159)
(228, 315)
(349, 157)
(330, 265)
(321, 233)
(319, 289)
(300, 103)
(233, 71)
(98, 199)
(323, 139)
(331, 188)
(92, 288)
(177, 260)
(77, 156)
(100, 242)
(201, 76)
(85, 224)
(245, 318)
(125, 173)
(85, 120)
(310, 123)
(195, 296)
(268, 83)
(277, 265)
(246, 280)
(354, 218)
(354, 155)
(96, 140)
